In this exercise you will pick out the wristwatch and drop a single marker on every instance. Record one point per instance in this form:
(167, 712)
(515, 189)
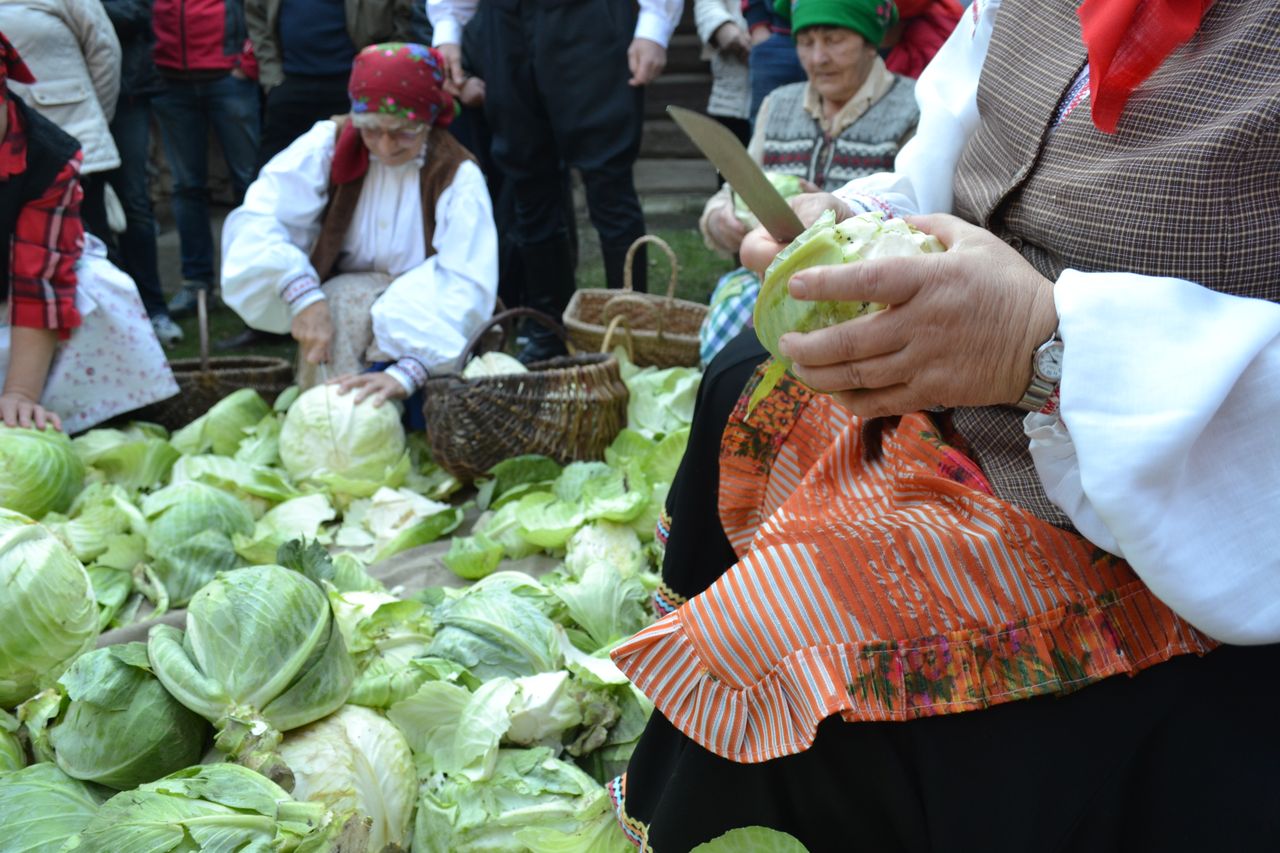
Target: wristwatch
(1046, 373)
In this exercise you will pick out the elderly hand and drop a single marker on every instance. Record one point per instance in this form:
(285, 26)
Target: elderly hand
(378, 386)
(646, 59)
(759, 247)
(729, 39)
(312, 328)
(19, 410)
(960, 329)
(725, 229)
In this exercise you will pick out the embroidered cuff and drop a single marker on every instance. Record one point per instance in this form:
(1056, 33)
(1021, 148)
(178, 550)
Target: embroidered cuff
(301, 292)
(409, 372)
(864, 203)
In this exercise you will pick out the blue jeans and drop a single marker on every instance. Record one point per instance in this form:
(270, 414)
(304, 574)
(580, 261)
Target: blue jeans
(185, 111)
(131, 129)
(773, 63)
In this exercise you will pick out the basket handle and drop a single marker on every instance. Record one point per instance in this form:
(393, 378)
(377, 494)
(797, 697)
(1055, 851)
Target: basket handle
(630, 260)
(607, 341)
(503, 318)
(611, 313)
(202, 320)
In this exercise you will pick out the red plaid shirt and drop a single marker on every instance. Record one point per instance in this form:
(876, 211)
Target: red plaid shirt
(46, 242)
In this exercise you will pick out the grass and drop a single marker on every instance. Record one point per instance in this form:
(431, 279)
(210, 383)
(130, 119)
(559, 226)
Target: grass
(699, 270)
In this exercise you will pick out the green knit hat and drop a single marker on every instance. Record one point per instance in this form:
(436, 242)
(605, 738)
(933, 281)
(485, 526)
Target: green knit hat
(868, 18)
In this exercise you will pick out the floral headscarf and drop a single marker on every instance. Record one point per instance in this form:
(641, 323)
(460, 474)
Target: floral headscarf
(402, 80)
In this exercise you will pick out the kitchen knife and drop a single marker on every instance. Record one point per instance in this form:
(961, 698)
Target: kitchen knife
(731, 160)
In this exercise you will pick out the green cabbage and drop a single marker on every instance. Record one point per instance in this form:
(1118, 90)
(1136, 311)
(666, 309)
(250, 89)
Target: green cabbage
(530, 801)
(385, 636)
(351, 448)
(214, 808)
(120, 728)
(498, 626)
(826, 243)
(48, 616)
(786, 185)
(261, 655)
(752, 839)
(356, 762)
(224, 426)
(135, 458)
(190, 532)
(12, 755)
(39, 471)
(42, 809)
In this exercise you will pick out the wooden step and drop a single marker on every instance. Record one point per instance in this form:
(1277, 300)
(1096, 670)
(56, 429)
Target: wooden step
(662, 138)
(684, 55)
(685, 90)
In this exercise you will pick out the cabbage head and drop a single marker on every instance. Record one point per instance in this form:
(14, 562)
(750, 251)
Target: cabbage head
(213, 808)
(226, 424)
(826, 243)
(262, 654)
(189, 536)
(120, 727)
(48, 616)
(348, 447)
(39, 471)
(42, 809)
(356, 762)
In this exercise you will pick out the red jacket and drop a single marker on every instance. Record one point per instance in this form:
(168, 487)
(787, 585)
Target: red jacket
(199, 35)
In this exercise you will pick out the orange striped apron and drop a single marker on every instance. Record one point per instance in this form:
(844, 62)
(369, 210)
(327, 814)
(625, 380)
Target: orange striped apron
(885, 589)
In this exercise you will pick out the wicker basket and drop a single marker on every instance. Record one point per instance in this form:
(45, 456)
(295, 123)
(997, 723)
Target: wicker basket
(663, 330)
(569, 408)
(204, 381)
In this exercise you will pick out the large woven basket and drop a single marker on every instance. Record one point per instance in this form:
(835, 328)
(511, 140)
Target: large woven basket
(663, 330)
(569, 408)
(204, 381)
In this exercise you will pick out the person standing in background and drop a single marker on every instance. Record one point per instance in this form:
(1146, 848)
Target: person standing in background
(75, 57)
(202, 54)
(131, 130)
(566, 86)
(773, 60)
(305, 49)
(726, 45)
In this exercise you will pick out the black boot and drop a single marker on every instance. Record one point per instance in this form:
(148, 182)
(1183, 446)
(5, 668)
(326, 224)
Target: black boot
(549, 287)
(615, 261)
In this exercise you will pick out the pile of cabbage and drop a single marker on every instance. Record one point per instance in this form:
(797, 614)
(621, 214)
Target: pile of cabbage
(298, 704)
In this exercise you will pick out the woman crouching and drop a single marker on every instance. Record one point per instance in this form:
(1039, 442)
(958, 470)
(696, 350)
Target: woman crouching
(370, 238)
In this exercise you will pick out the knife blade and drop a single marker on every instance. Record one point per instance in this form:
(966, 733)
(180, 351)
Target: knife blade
(718, 144)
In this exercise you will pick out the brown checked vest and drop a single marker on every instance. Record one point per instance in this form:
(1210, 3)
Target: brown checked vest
(1188, 187)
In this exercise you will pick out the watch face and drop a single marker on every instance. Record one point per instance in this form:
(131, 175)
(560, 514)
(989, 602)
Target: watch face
(1049, 361)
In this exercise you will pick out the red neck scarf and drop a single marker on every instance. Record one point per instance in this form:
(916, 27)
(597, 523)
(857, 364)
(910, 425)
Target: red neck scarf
(1127, 41)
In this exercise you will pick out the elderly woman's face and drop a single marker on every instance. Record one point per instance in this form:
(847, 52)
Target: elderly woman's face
(392, 141)
(836, 60)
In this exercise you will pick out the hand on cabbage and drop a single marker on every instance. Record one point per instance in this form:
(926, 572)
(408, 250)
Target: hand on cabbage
(377, 387)
(960, 332)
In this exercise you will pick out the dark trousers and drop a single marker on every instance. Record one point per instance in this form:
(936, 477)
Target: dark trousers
(557, 95)
(295, 106)
(131, 129)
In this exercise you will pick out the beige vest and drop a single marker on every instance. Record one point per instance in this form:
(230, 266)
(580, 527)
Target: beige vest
(1188, 187)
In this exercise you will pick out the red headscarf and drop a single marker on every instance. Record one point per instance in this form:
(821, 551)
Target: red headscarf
(11, 65)
(1127, 41)
(393, 79)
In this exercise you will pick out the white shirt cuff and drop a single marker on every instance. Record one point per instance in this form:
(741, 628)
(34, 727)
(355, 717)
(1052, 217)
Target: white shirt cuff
(447, 31)
(652, 27)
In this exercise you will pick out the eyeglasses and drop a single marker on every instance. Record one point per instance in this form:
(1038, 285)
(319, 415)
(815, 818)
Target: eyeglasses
(398, 135)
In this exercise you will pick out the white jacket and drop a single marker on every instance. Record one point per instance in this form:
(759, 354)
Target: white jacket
(72, 49)
(730, 85)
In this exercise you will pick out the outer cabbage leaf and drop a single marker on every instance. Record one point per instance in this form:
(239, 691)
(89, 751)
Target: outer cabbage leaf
(752, 839)
(97, 514)
(189, 535)
(661, 398)
(12, 755)
(42, 809)
(132, 457)
(120, 728)
(385, 636)
(39, 471)
(211, 808)
(351, 448)
(531, 801)
(452, 730)
(606, 605)
(547, 521)
(224, 426)
(502, 526)
(299, 518)
(356, 762)
(473, 557)
(243, 479)
(498, 627)
(48, 616)
(262, 654)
